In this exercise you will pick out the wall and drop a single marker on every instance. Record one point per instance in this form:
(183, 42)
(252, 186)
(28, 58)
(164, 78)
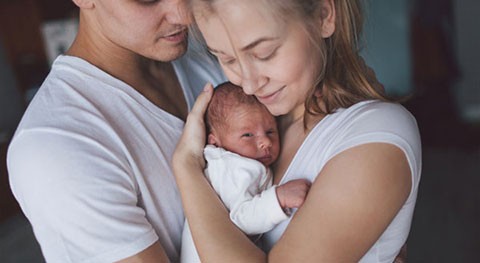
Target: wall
(387, 44)
(11, 107)
(468, 52)
(387, 50)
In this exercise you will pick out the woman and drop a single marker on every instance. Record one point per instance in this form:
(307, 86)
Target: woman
(361, 152)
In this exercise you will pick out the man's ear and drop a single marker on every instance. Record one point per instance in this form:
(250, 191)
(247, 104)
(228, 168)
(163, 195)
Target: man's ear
(327, 18)
(85, 4)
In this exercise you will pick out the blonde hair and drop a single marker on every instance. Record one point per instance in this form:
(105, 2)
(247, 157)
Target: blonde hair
(345, 78)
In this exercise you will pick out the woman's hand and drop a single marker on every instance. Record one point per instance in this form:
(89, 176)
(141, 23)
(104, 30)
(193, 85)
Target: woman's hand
(189, 150)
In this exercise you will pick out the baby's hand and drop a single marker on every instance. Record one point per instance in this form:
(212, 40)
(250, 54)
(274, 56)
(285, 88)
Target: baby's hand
(292, 194)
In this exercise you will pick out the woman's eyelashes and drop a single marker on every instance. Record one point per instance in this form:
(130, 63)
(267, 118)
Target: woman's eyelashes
(228, 61)
(147, 2)
(262, 56)
(265, 56)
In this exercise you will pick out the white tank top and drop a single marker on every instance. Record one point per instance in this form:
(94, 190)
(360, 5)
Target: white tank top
(364, 122)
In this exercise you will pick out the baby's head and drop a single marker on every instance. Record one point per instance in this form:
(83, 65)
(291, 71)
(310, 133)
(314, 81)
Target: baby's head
(239, 123)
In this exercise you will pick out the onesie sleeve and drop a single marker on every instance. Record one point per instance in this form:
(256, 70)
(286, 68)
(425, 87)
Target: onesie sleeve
(79, 197)
(240, 182)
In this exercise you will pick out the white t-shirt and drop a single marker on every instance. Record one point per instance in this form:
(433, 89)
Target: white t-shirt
(89, 163)
(364, 122)
(245, 187)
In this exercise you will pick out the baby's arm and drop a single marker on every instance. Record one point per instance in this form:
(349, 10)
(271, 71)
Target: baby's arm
(240, 183)
(259, 213)
(292, 194)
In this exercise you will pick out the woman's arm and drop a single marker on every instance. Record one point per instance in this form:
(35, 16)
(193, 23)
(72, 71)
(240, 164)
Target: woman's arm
(349, 205)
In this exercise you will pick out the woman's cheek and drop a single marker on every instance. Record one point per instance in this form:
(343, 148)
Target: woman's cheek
(232, 76)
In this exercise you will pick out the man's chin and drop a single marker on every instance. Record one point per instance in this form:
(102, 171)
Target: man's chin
(170, 53)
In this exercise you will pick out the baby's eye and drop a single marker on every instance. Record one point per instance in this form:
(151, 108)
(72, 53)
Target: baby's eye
(272, 131)
(248, 134)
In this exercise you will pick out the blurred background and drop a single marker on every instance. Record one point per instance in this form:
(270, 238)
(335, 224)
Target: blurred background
(423, 50)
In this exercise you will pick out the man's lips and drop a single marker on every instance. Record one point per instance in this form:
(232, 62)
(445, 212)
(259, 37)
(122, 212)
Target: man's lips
(176, 36)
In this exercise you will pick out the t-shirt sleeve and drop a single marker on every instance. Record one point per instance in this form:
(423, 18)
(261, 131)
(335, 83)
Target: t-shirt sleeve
(79, 196)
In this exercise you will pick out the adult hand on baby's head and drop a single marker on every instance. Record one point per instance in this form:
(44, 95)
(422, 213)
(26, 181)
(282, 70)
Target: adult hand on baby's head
(189, 150)
(292, 194)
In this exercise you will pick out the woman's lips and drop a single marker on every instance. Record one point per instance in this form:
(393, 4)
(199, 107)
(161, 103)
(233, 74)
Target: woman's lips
(270, 98)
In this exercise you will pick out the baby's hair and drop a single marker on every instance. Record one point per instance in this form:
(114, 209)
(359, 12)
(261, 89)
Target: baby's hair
(226, 98)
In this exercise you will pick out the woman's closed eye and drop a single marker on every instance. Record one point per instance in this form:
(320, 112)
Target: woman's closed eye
(147, 2)
(227, 61)
(264, 56)
(222, 57)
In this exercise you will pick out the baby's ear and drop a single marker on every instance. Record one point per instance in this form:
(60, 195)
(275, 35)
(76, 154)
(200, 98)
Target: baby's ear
(212, 139)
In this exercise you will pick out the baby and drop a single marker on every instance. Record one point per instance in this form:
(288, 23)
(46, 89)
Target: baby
(243, 142)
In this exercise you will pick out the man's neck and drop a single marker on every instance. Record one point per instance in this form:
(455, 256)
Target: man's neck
(155, 80)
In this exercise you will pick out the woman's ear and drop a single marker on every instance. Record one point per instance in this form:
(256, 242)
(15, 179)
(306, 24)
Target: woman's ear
(85, 4)
(327, 18)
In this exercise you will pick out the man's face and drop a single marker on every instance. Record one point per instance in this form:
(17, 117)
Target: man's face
(152, 28)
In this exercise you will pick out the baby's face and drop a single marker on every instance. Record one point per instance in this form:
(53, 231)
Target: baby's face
(251, 131)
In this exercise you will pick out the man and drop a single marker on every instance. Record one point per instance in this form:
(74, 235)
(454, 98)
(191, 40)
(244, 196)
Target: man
(89, 163)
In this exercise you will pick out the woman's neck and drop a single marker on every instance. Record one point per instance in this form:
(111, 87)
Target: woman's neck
(294, 128)
(298, 117)
(290, 119)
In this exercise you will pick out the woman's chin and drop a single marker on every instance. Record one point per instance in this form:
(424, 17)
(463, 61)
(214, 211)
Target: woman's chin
(275, 110)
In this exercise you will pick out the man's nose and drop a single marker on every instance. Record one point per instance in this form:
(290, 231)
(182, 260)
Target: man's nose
(178, 12)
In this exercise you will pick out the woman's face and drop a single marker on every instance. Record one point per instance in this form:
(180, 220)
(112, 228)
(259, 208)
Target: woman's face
(271, 59)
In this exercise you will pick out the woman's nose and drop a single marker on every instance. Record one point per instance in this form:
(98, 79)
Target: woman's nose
(252, 80)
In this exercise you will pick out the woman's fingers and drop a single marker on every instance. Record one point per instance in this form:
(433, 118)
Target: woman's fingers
(192, 142)
(202, 101)
(195, 126)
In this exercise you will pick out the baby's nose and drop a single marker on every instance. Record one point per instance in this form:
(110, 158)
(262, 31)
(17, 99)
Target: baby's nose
(265, 143)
